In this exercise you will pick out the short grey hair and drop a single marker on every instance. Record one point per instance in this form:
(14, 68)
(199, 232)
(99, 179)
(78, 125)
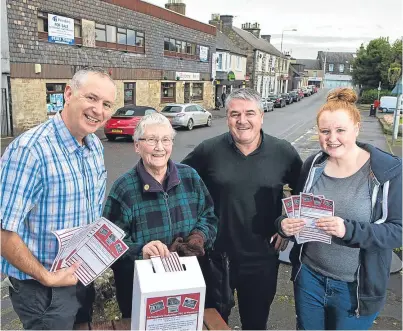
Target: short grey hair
(152, 119)
(81, 76)
(244, 94)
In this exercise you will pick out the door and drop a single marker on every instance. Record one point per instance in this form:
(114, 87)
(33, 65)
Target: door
(201, 115)
(187, 93)
(6, 117)
(130, 93)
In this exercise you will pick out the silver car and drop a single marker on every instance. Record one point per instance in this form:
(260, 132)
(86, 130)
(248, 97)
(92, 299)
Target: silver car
(187, 115)
(268, 105)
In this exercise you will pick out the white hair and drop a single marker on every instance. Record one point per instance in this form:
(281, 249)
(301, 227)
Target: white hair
(244, 94)
(152, 119)
(81, 76)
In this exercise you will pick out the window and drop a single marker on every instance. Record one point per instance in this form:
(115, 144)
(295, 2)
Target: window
(77, 29)
(183, 50)
(111, 34)
(331, 67)
(238, 63)
(121, 36)
(197, 91)
(351, 67)
(139, 39)
(341, 67)
(190, 109)
(219, 62)
(168, 92)
(100, 32)
(54, 97)
(179, 48)
(166, 44)
(42, 22)
(129, 93)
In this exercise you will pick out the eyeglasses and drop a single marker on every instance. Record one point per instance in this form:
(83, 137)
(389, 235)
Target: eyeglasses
(166, 141)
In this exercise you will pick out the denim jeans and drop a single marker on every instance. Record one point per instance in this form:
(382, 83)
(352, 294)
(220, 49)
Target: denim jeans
(323, 303)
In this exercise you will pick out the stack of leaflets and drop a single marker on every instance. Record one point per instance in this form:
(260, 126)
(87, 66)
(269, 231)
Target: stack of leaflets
(96, 246)
(170, 263)
(310, 208)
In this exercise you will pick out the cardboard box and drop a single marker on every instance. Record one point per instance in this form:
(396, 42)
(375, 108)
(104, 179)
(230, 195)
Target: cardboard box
(168, 300)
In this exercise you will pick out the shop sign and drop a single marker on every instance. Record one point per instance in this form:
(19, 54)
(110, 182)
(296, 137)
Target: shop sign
(187, 75)
(60, 29)
(231, 76)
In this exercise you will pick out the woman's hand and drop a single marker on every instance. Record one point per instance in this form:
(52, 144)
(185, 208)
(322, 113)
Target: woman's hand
(155, 248)
(332, 225)
(291, 226)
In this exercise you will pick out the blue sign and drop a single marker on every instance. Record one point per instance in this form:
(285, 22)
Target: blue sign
(60, 29)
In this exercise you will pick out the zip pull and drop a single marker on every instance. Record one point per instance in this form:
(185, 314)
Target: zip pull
(357, 313)
(166, 196)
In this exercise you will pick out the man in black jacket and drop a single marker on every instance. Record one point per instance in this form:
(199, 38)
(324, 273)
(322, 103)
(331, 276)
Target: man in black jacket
(245, 171)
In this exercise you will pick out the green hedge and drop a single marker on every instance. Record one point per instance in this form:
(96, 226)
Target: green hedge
(369, 96)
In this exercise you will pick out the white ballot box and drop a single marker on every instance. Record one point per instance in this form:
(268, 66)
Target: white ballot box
(168, 300)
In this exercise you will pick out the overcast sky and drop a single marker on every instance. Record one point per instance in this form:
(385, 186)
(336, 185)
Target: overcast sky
(338, 25)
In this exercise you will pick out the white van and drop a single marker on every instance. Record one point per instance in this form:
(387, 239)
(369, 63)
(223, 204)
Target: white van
(388, 104)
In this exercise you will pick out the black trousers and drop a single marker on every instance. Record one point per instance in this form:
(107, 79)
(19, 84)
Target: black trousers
(256, 288)
(51, 308)
(123, 271)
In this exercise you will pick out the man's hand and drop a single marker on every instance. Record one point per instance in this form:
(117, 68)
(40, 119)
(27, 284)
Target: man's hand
(155, 248)
(62, 277)
(332, 225)
(280, 243)
(292, 226)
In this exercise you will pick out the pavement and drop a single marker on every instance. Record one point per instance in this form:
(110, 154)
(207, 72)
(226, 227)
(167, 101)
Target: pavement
(294, 123)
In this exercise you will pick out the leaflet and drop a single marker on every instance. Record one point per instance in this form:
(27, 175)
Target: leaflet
(96, 246)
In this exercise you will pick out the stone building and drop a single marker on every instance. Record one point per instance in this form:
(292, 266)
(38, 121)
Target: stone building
(155, 55)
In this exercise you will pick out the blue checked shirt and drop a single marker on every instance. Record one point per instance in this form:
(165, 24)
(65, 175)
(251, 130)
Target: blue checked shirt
(49, 182)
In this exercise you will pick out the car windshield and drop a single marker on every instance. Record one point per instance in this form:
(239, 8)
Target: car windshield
(130, 112)
(172, 109)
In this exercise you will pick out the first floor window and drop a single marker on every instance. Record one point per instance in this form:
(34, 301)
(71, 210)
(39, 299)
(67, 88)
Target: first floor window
(130, 93)
(168, 92)
(54, 97)
(100, 32)
(330, 66)
(197, 91)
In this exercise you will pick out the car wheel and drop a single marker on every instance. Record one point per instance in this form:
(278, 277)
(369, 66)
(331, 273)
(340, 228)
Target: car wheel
(190, 125)
(110, 138)
(209, 121)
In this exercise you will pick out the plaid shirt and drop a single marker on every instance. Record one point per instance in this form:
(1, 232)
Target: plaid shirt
(148, 211)
(49, 182)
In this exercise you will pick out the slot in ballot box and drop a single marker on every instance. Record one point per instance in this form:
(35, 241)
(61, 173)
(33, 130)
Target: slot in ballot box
(168, 300)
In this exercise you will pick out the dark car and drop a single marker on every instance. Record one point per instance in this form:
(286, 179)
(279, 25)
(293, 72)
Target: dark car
(288, 98)
(124, 121)
(295, 96)
(278, 101)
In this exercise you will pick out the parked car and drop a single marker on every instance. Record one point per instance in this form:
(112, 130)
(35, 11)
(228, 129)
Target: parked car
(313, 88)
(295, 96)
(268, 104)
(306, 92)
(300, 93)
(124, 121)
(288, 98)
(277, 100)
(187, 115)
(387, 104)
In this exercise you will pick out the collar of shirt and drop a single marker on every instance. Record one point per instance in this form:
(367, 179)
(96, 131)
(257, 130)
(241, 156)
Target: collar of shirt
(231, 141)
(149, 182)
(70, 143)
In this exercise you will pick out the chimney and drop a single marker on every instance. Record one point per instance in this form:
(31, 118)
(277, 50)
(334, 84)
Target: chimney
(252, 28)
(227, 20)
(176, 6)
(266, 37)
(216, 21)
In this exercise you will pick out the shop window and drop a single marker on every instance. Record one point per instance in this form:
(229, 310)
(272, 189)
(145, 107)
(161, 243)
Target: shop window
(54, 97)
(130, 93)
(197, 91)
(168, 92)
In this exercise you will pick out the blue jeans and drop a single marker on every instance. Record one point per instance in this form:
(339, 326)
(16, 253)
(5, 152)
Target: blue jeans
(323, 303)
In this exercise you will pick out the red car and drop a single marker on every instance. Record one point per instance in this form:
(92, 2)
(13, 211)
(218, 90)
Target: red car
(124, 121)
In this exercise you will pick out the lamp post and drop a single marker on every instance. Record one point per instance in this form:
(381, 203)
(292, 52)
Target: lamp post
(324, 68)
(282, 35)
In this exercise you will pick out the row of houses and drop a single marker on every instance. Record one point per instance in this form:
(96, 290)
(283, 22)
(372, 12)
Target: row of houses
(156, 56)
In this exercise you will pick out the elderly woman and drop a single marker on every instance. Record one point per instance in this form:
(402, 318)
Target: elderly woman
(161, 205)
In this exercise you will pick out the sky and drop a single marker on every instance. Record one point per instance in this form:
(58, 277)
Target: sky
(322, 25)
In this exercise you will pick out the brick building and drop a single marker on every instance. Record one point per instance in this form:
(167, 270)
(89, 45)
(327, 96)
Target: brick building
(155, 55)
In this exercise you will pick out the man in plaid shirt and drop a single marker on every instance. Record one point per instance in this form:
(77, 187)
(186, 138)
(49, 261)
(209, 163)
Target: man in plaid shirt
(53, 177)
(162, 206)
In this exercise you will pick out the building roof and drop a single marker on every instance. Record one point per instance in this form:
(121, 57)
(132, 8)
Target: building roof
(258, 43)
(224, 43)
(337, 57)
(310, 64)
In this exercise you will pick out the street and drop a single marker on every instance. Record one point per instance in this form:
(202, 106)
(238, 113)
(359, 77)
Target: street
(295, 123)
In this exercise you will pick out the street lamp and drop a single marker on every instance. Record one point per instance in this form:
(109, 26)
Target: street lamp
(282, 35)
(324, 68)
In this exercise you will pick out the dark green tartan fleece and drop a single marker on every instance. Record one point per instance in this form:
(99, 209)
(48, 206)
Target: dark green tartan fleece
(138, 204)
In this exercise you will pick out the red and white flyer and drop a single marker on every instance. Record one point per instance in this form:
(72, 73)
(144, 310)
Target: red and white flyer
(287, 203)
(313, 208)
(295, 205)
(96, 246)
(174, 312)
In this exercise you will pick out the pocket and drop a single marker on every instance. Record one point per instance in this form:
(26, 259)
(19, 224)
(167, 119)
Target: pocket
(13, 284)
(49, 299)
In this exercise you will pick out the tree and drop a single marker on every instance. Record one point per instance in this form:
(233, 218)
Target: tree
(378, 62)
